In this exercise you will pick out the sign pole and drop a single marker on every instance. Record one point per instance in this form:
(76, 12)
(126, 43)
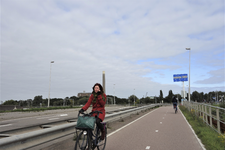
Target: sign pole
(183, 91)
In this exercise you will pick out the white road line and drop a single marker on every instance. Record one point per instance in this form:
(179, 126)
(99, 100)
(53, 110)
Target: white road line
(199, 141)
(53, 119)
(26, 118)
(43, 117)
(156, 130)
(16, 119)
(47, 117)
(63, 115)
(129, 123)
(5, 125)
(148, 147)
(160, 122)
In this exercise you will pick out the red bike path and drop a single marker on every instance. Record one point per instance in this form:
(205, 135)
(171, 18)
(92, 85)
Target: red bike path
(160, 129)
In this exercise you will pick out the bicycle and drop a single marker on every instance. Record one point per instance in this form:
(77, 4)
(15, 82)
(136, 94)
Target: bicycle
(88, 139)
(175, 107)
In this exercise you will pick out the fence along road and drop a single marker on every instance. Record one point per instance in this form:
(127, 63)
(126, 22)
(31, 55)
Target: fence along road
(160, 129)
(32, 139)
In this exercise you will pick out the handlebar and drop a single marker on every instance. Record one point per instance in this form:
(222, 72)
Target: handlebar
(93, 112)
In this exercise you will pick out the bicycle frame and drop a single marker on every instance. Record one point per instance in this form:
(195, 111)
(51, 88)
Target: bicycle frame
(92, 136)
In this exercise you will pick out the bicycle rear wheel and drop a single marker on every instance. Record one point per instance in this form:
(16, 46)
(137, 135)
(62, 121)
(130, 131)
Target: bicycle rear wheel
(83, 141)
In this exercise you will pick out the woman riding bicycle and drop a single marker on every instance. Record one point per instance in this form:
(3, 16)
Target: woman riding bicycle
(97, 99)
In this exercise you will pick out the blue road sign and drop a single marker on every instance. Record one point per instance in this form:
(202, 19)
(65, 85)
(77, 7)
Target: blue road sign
(180, 77)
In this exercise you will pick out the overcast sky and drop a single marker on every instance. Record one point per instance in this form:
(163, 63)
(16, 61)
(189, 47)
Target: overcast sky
(140, 44)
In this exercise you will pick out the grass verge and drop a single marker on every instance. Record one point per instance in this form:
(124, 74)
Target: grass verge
(211, 139)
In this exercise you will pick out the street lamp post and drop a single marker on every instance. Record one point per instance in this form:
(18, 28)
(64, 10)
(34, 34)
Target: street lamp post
(134, 97)
(49, 83)
(189, 98)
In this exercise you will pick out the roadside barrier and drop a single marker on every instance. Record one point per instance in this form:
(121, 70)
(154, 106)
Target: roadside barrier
(211, 115)
(42, 136)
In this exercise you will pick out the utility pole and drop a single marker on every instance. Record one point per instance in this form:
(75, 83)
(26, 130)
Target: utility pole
(50, 83)
(134, 97)
(189, 90)
(103, 81)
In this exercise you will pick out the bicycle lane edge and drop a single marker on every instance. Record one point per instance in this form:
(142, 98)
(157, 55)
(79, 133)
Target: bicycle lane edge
(160, 129)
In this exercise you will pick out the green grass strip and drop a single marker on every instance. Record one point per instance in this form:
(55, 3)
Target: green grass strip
(209, 138)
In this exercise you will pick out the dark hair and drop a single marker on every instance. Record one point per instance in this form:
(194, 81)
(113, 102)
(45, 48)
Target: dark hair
(100, 86)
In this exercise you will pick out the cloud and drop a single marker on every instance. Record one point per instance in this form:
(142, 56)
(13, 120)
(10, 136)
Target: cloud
(217, 76)
(140, 45)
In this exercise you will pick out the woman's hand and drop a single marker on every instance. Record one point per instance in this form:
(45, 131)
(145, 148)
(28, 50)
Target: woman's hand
(81, 111)
(99, 92)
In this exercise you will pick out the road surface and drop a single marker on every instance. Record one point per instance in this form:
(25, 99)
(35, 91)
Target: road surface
(160, 129)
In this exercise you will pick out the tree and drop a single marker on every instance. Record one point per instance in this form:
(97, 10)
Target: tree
(206, 97)
(179, 97)
(201, 97)
(148, 100)
(121, 100)
(82, 100)
(75, 99)
(195, 96)
(37, 100)
(161, 96)
(10, 102)
(142, 100)
(168, 99)
(45, 102)
(132, 98)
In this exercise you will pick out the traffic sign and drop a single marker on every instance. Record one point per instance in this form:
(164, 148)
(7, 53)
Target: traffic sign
(180, 77)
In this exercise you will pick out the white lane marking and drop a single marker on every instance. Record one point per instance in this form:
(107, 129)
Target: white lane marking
(28, 118)
(160, 122)
(199, 141)
(129, 123)
(156, 130)
(148, 147)
(53, 119)
(123, 107)
(5, 125)
(53, 116)
(17, 119)
(163, 117)
(44, 117)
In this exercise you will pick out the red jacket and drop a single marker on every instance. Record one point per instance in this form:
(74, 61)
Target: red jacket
(99, 105)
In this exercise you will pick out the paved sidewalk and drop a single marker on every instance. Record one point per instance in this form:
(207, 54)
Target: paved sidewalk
(161, 129)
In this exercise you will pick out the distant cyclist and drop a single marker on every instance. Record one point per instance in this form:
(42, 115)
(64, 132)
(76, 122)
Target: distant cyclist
(97, 99)
(174, 101)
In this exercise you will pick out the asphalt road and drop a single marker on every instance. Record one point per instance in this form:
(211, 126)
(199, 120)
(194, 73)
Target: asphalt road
(161, 129)
(16, 120)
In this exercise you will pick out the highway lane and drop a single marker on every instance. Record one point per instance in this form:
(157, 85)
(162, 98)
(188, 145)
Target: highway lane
(160, 129)
(40, 118)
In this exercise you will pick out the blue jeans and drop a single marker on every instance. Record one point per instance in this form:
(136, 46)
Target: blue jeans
(175, 106)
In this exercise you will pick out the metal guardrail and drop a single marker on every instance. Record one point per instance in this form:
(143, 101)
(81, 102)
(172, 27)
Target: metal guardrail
(211, 115)
(42, 136)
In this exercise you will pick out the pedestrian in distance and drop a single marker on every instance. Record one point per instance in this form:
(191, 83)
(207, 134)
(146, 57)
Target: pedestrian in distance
(98, 100)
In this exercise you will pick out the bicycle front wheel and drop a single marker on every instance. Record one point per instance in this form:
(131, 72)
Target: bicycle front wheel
(101, 143)
(83, 141)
